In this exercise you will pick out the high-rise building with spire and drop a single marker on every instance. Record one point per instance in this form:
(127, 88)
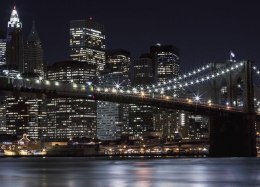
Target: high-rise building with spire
(2, 48)
(33, 53)
(14, 53)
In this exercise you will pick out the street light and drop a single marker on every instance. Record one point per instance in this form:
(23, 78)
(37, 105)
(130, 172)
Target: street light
(197, 98)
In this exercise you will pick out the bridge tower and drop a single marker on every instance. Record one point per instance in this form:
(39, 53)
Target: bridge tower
(234, 134)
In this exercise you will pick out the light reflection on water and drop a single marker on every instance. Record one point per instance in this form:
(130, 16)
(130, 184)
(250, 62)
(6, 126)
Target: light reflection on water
(87, 172)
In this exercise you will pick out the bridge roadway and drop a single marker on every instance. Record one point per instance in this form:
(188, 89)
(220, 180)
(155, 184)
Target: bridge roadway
(52, 89)
(169, 103)
(232, 131)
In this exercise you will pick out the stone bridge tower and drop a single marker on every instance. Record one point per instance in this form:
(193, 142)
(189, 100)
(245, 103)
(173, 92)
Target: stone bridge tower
(234, 134)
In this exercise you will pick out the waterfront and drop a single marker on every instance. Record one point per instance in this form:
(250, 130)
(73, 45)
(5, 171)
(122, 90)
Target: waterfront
(140, 172)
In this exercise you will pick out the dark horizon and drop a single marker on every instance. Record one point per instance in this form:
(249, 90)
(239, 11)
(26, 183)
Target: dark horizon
(203, 31)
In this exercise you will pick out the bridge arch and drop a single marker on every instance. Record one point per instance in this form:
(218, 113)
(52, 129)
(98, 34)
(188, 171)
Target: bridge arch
(223, 91)
(239, 85)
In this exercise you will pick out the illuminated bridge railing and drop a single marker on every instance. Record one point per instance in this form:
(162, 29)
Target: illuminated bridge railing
(81, 90)
(37, 85)
(168, 102)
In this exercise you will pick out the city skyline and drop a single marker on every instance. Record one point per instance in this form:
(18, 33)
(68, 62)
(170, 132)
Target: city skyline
(135, 93)
(204, 32)
(154, 77)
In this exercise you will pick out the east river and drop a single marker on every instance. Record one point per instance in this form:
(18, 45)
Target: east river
(139, 172)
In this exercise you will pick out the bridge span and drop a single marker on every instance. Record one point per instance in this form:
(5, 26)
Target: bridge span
(232, 130)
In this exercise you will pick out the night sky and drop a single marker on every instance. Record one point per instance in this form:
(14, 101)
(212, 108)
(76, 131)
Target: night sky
(204, 30)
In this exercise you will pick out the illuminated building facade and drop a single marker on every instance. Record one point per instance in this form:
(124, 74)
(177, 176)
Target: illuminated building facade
(141, 117)
(33, 54)
(14, 46)
(2, 48)
(112, 118)
(198, 127)
(25, 115)
(143, 71)
(2, 117)
(166, 67)
(69, 117)
(72, 71)
(118, 60)
(87, 42)
(109, 122)
(166, 59)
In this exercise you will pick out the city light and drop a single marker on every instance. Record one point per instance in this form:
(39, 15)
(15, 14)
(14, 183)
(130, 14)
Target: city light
(209, 102)
(197, 98)
(47, 82)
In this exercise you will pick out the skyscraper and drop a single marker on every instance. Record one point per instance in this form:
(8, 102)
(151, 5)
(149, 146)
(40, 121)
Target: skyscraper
(167, 65)
(112, 118)
(25, 115)
(70, 117)
(118, 60)
(33, 54)
(14, 53)
(2, 117)
(142, 70)
(87, 42)
(2, 48)
(142, 74)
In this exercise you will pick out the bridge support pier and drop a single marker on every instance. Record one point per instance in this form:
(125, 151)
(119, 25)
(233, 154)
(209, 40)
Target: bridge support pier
(232, 135)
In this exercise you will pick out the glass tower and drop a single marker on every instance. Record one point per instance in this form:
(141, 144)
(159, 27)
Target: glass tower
(166, 62)
(87, 42)
(71, 117)
(112, 118)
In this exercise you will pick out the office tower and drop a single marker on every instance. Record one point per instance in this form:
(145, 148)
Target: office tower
(166, 67)
(14, 48)
(2, 117)
(142, 71)
(87, 43)
(33, 54)
(167, 63)
(118, 60)
(2, 48)
(25, 115)
(112, 118)
(198, 127)
(70, 117)
(72, 71)
(141, 116)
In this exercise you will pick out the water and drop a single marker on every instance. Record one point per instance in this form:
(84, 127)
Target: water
(90, 172)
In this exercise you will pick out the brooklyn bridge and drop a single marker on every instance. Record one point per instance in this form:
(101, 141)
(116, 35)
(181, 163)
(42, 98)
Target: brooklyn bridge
(229, 99)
